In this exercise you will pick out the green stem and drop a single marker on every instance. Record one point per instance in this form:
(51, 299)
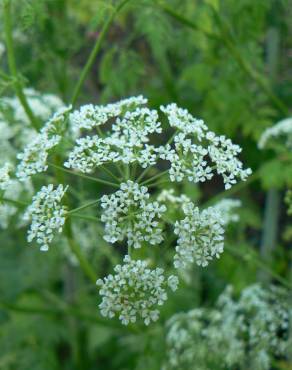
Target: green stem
(109, 172)
(95, 50)
(100, 181)
(251, 257)
(89, 204)
(84, 217)
(76, 250)
(158, 183)
(64, 310)
(230, 45)
(160, 174)
(17, 203)
(12, 64)
(143, 173)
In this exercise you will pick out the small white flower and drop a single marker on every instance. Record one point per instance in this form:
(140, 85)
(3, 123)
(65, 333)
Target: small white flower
(2, 49)
(47, 215)
(253, 329)
(90, 116)
(134, 291)
(5, 181)
(200, 236)
(42, 105)
(226, 208)
(168, 195)
(128, 213)
(282, 128)
(195, 146)
(33, 159)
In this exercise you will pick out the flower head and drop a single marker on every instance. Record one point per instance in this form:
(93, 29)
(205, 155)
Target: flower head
(4, 176)
(47, 215)
(134, 291)
(128, 213)
(33, 159)
(200, 236)
(282, 128)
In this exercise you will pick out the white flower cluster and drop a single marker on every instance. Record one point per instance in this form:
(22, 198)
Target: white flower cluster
(253, 330)
(193, 152)
(127, 142)
(168, 195)
(134, 291)
(128, 213)
(2, 49)
(200, 236)
(47, 215)
(227, 209)
(90, 116)
(42, 105)
(14, 191)
(33, 159)
(282, 128)
(5, 180)
(189, 158)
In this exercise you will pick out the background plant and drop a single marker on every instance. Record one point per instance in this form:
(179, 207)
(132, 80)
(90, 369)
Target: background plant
(228, 63)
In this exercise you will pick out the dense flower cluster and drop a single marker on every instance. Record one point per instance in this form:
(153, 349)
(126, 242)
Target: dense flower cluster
(168, 195)
(128, 213)
(200, 236)
(14, 191)
(250, 331)
(193, 152)
(33, 159)
(15, 134)
(282, 128)
(4, 176)
(127, 142)
(194, 145)
(134, 291)
(90, 116)
(42, 105)
(123, 135)
(47, 215)
(227, 209)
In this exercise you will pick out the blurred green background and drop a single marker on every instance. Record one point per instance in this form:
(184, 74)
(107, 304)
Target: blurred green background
(228, 62)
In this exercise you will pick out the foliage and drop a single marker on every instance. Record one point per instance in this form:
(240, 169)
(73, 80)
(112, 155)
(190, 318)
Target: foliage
(227, 63)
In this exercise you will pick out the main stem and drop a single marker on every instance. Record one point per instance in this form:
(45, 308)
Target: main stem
(76, 250)
(12, 64)
(95, 50)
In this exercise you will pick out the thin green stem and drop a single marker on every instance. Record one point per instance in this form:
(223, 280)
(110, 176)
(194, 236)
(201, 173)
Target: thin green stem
(155, 177)
(85, 217)
(144, 173)
(84, 264)
(251, 257)
(61, 310)
(95, 50)
(12, 64)
(110, 173)
(17, 203)
(87, 205)
(230, 44)
(158, 183)
(100, 181)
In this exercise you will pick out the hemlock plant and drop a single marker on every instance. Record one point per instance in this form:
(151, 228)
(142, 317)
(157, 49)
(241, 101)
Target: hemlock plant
(132, 148)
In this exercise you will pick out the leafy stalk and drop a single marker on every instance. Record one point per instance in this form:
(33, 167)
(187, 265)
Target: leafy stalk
(95, 50)
(230, 44)
(12, 64)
